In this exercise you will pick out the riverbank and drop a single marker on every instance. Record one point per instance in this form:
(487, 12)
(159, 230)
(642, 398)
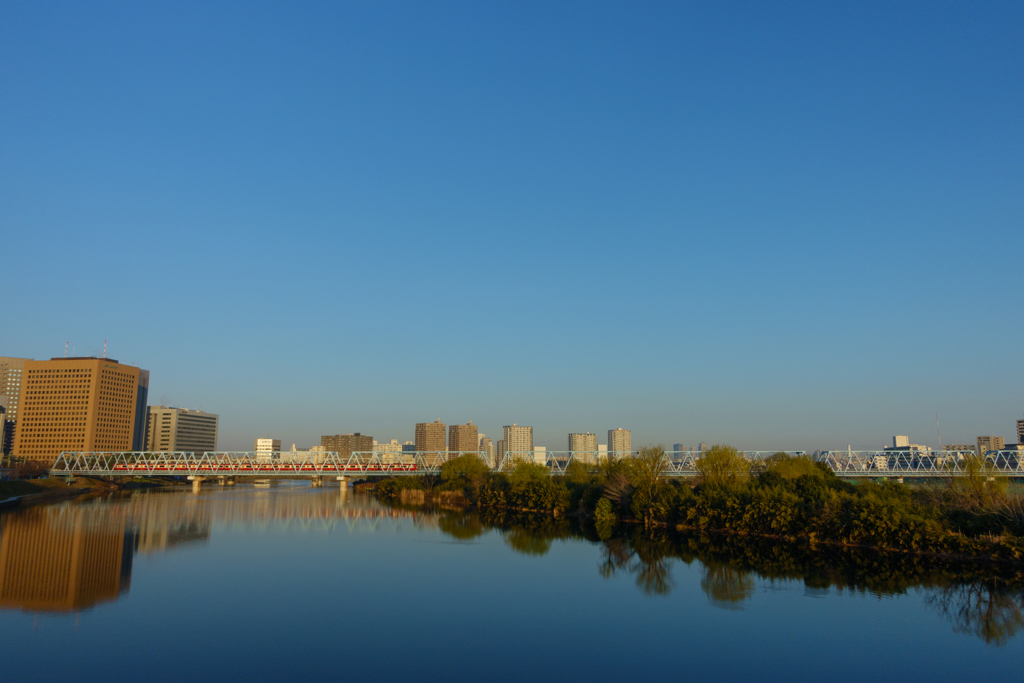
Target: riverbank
(788, 498)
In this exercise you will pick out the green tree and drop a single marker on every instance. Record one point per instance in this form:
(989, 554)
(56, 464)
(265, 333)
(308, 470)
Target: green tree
(792, 466)
(465, 471)
(723, 466)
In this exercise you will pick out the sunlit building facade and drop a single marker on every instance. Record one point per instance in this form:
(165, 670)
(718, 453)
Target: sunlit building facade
(80, 404)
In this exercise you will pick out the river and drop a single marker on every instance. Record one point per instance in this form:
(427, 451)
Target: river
(291, 582)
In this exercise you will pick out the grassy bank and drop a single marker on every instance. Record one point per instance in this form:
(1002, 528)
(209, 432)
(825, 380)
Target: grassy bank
(791, 498)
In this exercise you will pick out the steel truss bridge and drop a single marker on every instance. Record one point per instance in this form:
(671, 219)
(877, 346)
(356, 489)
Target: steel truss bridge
(357, 465)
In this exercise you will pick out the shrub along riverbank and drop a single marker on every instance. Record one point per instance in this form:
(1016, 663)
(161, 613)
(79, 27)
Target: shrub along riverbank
(786, 497)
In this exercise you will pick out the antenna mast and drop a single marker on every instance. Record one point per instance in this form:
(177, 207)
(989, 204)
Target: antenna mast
(104, 348)
(937, 429)
(65, 349)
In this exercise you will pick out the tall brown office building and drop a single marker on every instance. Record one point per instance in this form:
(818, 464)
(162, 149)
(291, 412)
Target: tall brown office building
(1020, 431)
(80, 404)
(463, 438)
(347, 444)
(430, 440)
(63, 564)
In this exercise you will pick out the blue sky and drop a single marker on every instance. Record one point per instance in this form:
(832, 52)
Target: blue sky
(785, 226)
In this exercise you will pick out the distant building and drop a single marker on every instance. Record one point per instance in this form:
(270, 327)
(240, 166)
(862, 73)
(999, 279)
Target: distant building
(463, 438)
(80, 404)
(430, 441)
(902, 443)
(540, 455)
(678, 448)
(388, 452)
(487, 448)
(499, 452)
(1020, 431)
(702, 447)
(620, 442)
(583, 446)
(602, 452)
(990, 443)
(518, 440)
(962, 448)
(267, 449)
(181, 429)
(347, 444)
(12, 370)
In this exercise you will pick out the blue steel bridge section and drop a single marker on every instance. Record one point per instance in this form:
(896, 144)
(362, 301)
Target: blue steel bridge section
(846, 464)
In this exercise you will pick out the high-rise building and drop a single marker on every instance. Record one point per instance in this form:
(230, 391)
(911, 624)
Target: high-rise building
(499, 453)
(12, 370)
(80, 404)
(487, 448)
(540, 455)
(1020, 431)
(990, 443)
(463, 438)
(583, 446)
(602, 452)
(267, 449)
(181, 430)
(430, 441)
(518, 441)
(347, 444)
(620, 442)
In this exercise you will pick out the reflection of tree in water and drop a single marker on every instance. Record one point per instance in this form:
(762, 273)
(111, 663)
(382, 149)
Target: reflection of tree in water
(726, 586)
(527, 542)
(461, 527)
(644, 557)
(989, 612)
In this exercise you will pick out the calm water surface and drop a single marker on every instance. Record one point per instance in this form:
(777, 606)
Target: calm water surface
(290, 583)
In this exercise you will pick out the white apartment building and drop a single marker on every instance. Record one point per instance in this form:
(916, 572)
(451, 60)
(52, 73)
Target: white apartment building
(540, 455)
(620, 442)
(388, 452)
(518, 440)
(181, 430)
(267, 449)
(583, 446)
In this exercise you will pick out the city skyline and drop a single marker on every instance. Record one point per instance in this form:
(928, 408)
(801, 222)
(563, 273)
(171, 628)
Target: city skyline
(763, 217)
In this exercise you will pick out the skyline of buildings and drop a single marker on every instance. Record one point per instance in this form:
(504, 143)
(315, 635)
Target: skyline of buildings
(89, 403)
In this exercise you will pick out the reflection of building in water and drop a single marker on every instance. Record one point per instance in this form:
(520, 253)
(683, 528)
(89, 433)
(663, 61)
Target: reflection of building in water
(48, 565)
(163, 521)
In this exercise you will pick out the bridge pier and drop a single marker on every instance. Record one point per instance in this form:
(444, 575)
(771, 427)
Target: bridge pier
(343, 481)
(196, 481)
(316, 482)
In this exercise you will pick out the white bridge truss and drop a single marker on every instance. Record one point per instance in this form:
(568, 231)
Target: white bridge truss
(890, 463)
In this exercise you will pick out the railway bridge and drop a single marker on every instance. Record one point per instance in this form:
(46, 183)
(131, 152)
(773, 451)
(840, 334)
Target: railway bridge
(360, 465)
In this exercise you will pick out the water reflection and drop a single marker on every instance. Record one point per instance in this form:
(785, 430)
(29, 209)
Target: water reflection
(58, 563)
(990, 612)
(75, 555)
(726, 586)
